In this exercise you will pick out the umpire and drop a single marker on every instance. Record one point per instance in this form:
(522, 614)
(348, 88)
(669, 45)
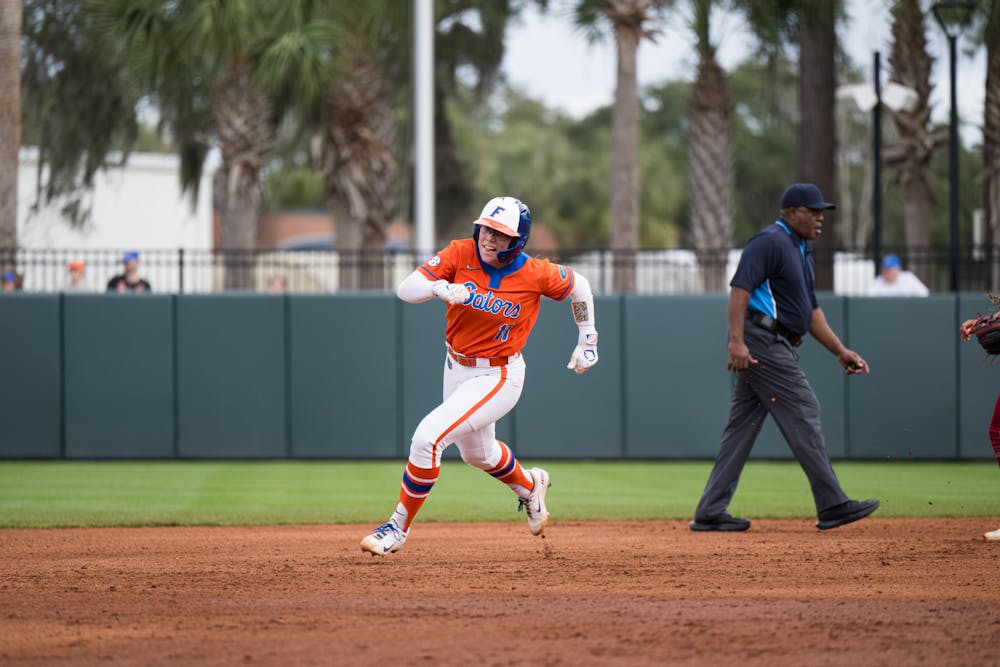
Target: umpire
(772, 305)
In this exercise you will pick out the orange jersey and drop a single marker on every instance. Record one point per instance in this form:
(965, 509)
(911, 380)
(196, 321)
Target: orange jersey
(503, 307)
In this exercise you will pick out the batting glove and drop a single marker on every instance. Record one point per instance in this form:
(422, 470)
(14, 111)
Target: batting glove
(451, 293)
(584, 356)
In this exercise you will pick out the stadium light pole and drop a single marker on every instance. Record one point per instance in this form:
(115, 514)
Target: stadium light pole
(877, 166)
(952, 16)
(423, 76)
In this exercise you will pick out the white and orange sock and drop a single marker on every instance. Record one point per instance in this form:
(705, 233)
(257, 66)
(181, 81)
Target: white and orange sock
(414, 489)
(509, 471)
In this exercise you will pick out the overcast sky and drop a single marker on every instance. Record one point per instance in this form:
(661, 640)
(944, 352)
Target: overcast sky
(549, 60)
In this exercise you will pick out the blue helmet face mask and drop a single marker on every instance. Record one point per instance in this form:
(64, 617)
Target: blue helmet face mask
(523, 227)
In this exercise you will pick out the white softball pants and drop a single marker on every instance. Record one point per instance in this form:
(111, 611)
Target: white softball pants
(474, 400)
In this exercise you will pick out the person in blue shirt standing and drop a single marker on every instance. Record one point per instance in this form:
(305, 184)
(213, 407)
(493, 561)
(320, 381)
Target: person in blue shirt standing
(772, 305)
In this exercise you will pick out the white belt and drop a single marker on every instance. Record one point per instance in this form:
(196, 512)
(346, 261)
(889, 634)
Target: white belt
(480, 362)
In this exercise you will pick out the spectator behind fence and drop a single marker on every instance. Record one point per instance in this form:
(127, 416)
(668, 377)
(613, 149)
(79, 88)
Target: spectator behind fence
(278, 284)
(74, 277)
(9, 283)
(129, 280)
(892, 280)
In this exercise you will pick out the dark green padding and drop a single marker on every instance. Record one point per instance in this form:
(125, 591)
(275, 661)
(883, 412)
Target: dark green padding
(906, 408)
(562, 414)
(29, 376)
(119, 372)
(343, 380)
(351, 376)
(676, 385)
(231, 376)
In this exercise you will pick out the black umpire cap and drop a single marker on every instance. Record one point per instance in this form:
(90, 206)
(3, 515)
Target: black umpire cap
(804, 194)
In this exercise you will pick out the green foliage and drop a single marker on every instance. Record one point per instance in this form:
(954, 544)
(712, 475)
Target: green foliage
(180, 51)
(764, 144)
(765, 140)
(100, 58)
(65, 494)
(468, 51)
(560, 166)
(294, 188)
(467, 46)
(777, 21)
(664, 220)
(149, 140)
(970, 165)
(519, 147)
(78, 101)
(584, 206)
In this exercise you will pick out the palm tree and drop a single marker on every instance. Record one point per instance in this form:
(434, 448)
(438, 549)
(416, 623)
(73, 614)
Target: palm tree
(10, 125)
(811, 24)
(631, 21)
(200, 58)
(710, 159)
(339, 64)
(355, 153)
(910, 157)
(245, 125)
(354, 116)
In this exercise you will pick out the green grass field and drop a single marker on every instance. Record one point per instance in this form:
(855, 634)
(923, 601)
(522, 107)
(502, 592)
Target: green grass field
(75, 494)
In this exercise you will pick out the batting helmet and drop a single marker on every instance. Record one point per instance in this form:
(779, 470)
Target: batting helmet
(509, 216)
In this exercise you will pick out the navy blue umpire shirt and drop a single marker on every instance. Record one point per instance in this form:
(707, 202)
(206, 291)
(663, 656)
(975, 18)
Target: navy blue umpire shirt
(776, 267)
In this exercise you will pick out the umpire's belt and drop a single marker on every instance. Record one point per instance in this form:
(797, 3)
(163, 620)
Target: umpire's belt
(771, 324)
(479, 362)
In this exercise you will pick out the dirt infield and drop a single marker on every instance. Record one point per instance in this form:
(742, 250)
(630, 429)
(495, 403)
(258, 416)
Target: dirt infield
(879, 592)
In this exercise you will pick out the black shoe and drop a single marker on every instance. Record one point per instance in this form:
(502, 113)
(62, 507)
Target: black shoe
(724, 521)
(847, 512)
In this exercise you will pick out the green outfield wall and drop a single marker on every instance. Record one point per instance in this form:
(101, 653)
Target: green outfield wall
(347, 376)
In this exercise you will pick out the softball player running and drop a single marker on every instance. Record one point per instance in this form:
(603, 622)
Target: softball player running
(493, 291)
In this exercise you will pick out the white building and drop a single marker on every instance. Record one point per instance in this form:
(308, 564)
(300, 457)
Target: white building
(138, 206)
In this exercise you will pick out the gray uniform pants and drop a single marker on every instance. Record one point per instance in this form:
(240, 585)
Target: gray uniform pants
(777, 386)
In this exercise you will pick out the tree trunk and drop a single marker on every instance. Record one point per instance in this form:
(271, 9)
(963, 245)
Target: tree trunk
(817, 134)
(243, 119)
(710, 169)
(625, 162)
(917, 209)
(359, 170)
(910, 157)
(10, 126)
(991, 148)
(238, 224)
(348, 244)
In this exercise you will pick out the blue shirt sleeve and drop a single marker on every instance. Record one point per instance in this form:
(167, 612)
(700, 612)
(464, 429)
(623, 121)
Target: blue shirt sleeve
(752, 269)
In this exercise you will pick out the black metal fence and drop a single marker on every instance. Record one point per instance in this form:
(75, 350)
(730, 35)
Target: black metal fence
(668, 271)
